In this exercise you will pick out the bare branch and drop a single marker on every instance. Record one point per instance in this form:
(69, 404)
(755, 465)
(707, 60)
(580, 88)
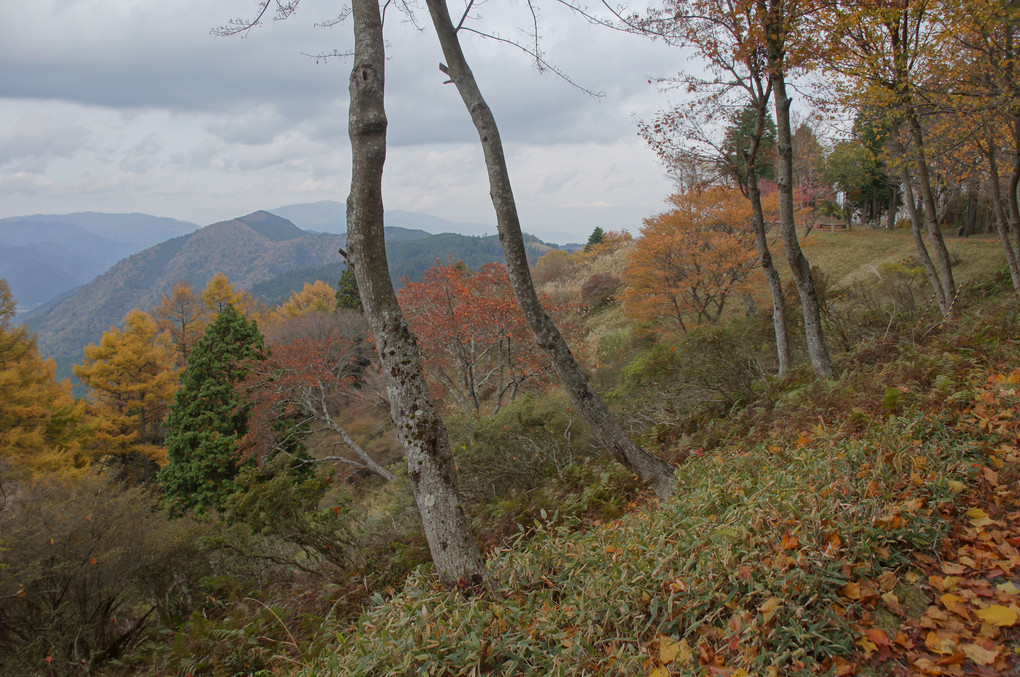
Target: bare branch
(539, 59)
(284, 9)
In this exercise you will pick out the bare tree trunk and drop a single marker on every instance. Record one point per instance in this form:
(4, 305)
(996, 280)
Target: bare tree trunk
(938, 244)
(657, 473)
(420, 430)
(761, 241)
(818, 352)
(1001, 220)
(890, 217)
(915, 227)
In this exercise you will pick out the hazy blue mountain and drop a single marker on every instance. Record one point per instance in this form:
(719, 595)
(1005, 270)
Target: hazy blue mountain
(261, 252)
(141, 230)
(249, 250)
(44, 255)
(330, 216)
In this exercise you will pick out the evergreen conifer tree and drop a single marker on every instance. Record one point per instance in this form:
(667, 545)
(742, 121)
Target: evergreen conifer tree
(347, 296)
(597, 237)
(205, 423)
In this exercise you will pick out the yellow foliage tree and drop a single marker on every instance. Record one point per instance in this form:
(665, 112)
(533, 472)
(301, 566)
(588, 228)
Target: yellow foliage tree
(41, 425)
(691, 260)
(219, 293)
(315, 297)
(184, 315)
(131, 379)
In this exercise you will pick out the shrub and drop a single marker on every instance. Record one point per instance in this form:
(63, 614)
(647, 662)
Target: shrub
(709, 371)
(517, 448)
(600, 290)
(91, 568)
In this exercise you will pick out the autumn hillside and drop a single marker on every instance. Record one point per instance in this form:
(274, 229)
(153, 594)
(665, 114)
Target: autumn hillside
(860, 526)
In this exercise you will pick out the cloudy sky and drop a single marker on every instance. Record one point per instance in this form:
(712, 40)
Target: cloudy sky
(132, 105)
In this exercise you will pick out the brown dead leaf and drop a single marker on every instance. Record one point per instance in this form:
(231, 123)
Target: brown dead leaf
(892, 602)
(979, 654)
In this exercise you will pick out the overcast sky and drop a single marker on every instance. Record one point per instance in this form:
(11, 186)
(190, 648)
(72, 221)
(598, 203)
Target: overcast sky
(131, 105)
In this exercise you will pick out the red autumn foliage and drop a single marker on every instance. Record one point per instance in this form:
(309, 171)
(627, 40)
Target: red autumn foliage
(474, 338)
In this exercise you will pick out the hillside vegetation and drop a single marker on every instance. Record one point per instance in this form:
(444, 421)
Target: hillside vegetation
(859, 525)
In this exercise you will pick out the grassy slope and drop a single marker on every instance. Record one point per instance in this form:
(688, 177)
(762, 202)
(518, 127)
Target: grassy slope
(778, 553)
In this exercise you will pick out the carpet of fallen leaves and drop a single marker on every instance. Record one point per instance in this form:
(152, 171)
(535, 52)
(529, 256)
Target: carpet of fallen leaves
(971, 625)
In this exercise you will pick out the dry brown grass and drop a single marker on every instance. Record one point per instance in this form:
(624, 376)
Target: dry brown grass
(846, 257)
(858, 254)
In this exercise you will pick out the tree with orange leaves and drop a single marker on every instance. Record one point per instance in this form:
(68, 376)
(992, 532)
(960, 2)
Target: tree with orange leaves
(738, 87)
(474, 338)
(298, 390)
(691, 260)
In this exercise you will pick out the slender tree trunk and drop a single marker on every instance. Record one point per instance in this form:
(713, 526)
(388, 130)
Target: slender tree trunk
(657, 473)
(1014, 182)
(818, 352)
(761, 241)
(421, 432)
(915, 227)
(938, 244)
(890, 217)
(1001, 221)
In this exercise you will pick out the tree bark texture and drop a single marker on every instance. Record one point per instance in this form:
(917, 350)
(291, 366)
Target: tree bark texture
(654, 471)
(800, 268)
(915, 227)
(422, 434)
(1002, 223)
(935, 239)
(761, 241)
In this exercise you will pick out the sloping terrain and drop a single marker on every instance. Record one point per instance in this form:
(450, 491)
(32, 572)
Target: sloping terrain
(248, 250)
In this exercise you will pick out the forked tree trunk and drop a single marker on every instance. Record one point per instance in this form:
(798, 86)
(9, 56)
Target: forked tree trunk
(421, 432)
(657, 473)
(818, 352)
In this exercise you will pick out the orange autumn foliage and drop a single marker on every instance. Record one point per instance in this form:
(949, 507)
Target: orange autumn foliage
(691, 260)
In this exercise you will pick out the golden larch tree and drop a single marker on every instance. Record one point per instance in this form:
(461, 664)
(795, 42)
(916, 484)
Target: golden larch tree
(41, 424)
(131, 379)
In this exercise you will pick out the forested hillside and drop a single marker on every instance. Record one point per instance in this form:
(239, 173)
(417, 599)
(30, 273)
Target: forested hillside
(773, 431)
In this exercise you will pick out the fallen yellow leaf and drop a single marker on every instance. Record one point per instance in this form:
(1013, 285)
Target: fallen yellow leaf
(670, 649)
(978, 517)
(956, 486)
(997, 615)
(1008, 588)
(658, 672)
(768, 609)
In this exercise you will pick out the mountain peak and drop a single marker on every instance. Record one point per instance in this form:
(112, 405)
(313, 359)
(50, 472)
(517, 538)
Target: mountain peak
(272, 226)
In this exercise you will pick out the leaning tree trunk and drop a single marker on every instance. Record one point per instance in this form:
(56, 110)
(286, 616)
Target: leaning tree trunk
(1001, 220)
(915, 228)
(938, 243)
(761, 241)
(818, 352)
(657, 473)
(430, 465)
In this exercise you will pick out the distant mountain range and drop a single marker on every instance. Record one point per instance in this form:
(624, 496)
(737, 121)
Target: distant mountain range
(262, 252)
(44, 255)
(330, 216)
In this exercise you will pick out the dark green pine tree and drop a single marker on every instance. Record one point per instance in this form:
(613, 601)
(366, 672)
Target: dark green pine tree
(347, 297)
(205, 424)
(597, 237)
